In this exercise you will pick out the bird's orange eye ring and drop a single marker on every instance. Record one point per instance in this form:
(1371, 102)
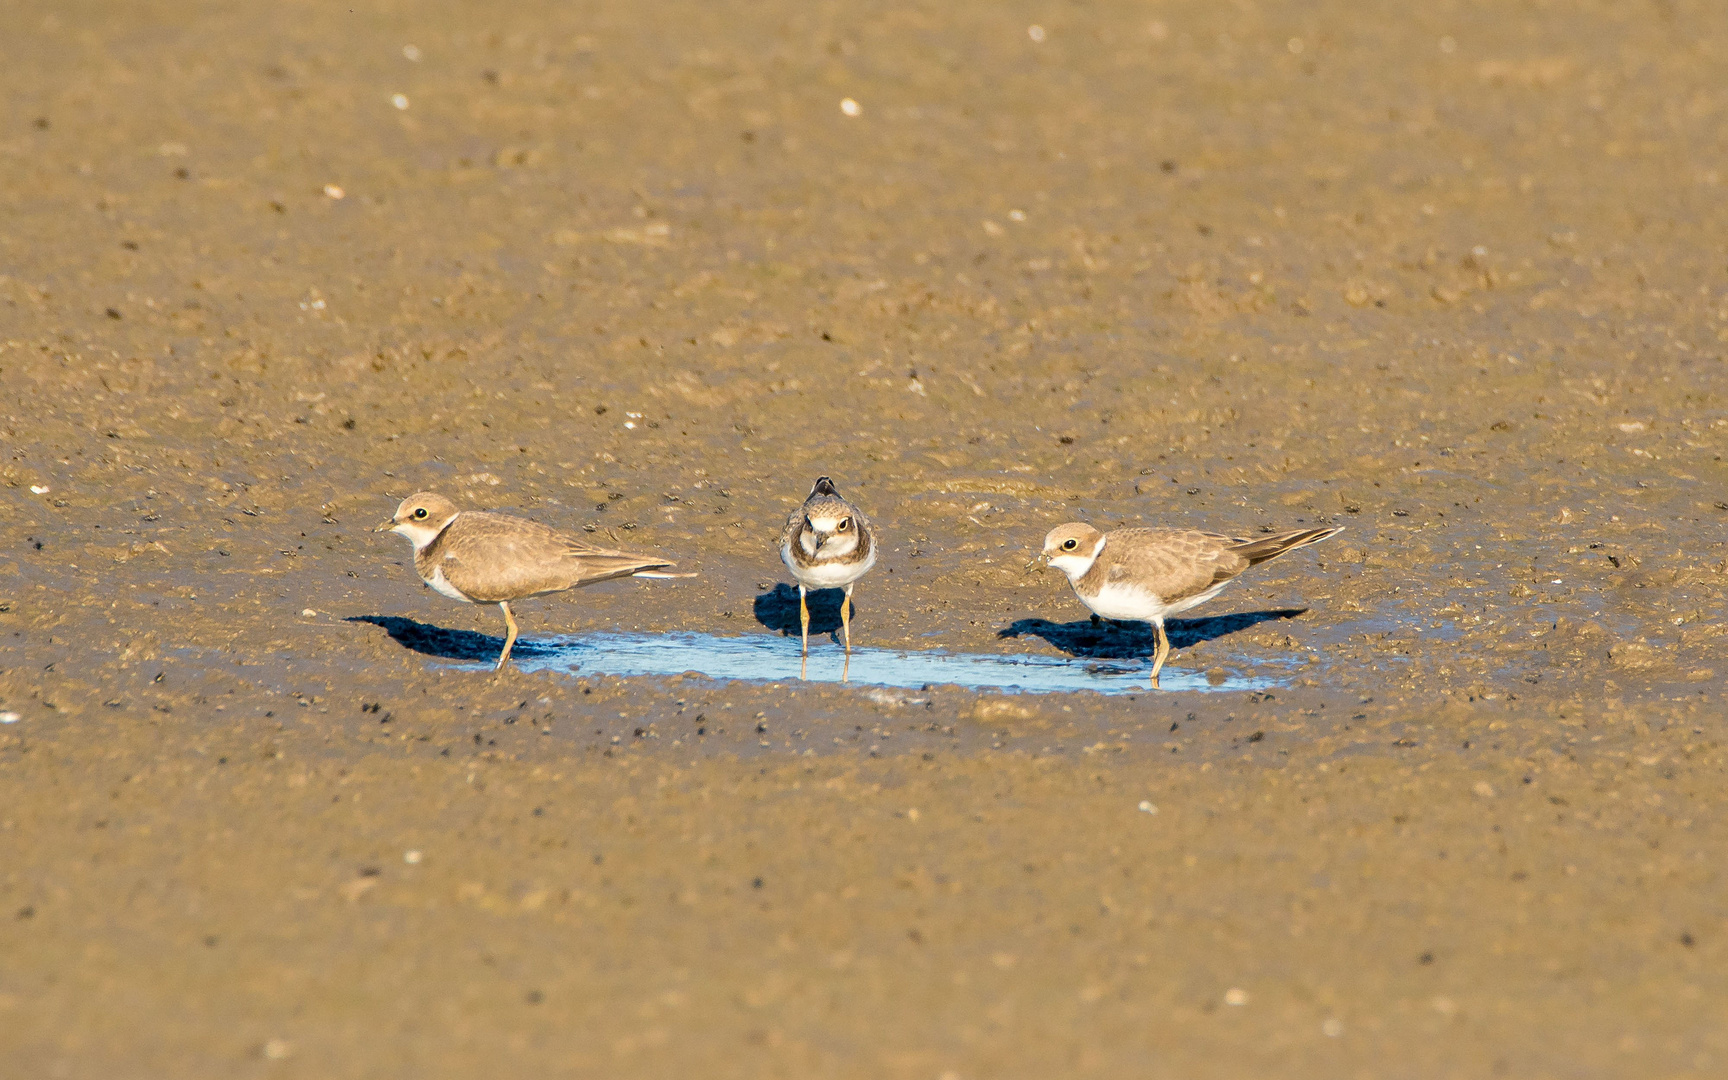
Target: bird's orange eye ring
(420, 513)
(845, 523)
(1070, 545)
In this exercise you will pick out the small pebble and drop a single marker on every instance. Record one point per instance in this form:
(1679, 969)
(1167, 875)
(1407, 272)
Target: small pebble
(412, 858)
(399, 100)
(1036, 33)
(1235, 996)
(1146, 807)
(334, 191)
(850, 107)
(39, 489)
(9, 718)
(307, 612)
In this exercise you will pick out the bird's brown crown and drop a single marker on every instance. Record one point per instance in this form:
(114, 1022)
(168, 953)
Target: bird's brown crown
(1074, 538)
(425, 509)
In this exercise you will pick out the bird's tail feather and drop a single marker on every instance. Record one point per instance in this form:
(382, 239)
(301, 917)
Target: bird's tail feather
(1270, 547)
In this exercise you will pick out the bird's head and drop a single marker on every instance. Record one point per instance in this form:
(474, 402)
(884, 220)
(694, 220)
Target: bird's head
(421, 518)
(1072, 548)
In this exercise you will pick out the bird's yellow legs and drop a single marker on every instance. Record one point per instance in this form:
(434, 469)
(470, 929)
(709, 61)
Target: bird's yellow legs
(846, 629)
(1161, 655)
(804, 632)
(509, 637)
(804, 623)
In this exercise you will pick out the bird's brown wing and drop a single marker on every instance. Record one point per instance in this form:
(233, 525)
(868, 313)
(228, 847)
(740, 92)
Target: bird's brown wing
(1270, 547)
(1173, 564)
(794, 523)
(494, 557)
(603, 564)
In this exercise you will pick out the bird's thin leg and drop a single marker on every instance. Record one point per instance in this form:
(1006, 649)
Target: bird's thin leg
(1162, 653)
(846, 632)
(804, 624)
(509, 636)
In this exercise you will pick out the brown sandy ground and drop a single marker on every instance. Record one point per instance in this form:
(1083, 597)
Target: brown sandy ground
(1453, 277)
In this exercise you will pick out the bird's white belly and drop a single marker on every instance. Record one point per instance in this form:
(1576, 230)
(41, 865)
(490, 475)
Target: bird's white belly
(830, 575)
(1115, 601)
(443, 587)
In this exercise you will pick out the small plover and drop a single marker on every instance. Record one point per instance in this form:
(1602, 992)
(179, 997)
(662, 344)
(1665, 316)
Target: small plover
(827, 544)
(485, 558)
(1150, 574)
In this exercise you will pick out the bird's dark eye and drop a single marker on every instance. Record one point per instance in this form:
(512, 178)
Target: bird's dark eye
(845, 523)
(420, 513)
(1070, 545)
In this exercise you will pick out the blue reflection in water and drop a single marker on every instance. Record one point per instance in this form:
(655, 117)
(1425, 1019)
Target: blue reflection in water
(772, 658)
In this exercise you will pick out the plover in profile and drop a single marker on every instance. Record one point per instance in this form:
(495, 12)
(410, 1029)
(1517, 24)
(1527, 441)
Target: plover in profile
(1150, 574)
(485, 558)
(827, 544)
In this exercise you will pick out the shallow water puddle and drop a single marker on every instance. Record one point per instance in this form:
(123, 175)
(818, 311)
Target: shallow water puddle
(772, 658)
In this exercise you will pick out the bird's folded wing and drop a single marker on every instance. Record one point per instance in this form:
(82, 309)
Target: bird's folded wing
(592, 567)
(529, 562)
(1270, 547)
(601, 564)
(1177, 564)
(570, 545)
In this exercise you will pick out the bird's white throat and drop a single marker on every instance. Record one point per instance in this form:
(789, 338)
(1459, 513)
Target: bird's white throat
(419, 534)
(1075, 566)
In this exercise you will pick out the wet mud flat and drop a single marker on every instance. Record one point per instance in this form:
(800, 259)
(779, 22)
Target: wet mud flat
(1439, 797)
(1112, 661)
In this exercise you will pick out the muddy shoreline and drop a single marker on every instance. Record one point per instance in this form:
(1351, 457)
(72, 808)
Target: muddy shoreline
(1439, 797)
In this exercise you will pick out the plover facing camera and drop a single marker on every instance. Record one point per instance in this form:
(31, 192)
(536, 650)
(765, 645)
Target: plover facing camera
(1150, 574)
(827, 544)
(479, 557)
